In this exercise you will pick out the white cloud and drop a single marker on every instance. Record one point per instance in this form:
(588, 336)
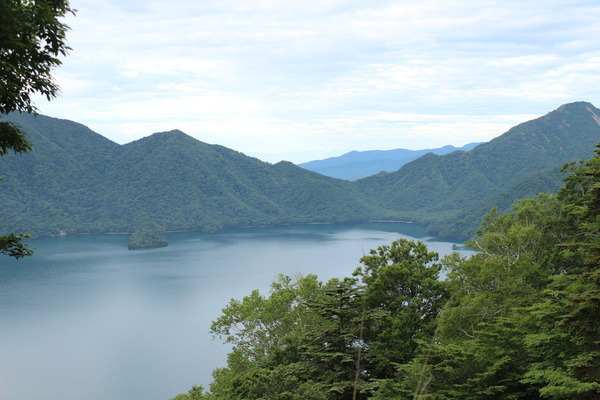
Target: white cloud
(271, 76)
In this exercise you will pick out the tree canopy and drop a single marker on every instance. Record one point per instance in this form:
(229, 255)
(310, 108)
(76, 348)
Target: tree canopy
(32, 38)
(517, 320)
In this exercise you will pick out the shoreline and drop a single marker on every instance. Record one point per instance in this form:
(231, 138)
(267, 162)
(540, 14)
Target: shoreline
(64, 233)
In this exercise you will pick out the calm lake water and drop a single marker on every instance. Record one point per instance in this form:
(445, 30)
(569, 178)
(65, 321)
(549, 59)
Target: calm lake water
(85, 318)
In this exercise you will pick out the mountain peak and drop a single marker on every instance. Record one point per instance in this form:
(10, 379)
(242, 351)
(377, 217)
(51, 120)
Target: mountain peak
(174, 133)
(77, 181)
(577, 107)
(161, 138)
(576, 104)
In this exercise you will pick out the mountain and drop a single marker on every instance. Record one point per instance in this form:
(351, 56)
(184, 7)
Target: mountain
(360, 164)
(438, 190)
(78, 181)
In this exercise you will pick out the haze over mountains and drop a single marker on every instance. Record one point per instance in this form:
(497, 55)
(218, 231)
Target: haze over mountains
(78, 181)
(360, 164)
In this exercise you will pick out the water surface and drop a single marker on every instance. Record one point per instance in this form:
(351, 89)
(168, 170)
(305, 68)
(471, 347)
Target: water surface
(85, 318)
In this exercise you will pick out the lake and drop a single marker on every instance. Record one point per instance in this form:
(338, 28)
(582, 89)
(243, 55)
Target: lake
(85, 318)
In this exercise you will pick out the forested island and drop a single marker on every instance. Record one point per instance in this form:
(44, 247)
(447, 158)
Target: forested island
(146, 239)
(518, 320)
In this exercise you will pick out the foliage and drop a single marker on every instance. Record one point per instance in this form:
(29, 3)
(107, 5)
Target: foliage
(195, 393)
(31, 39)
(568, 312)
(533, 285)
(265, 332)
(332, 340)
(146, 239)
(12, 138)
(402, 285)
(451, 193)
(79, 181)
(12, 245)
(516, 321)
(257, 325)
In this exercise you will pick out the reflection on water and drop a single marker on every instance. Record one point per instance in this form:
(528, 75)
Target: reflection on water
(87, 318)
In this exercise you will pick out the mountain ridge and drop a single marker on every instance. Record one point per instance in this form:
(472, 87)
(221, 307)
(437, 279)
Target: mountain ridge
(77, 181)
(360, 164)
(167, 180)
(438, 187)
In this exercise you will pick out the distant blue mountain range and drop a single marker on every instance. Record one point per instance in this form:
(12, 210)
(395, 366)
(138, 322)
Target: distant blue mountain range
(360, 164)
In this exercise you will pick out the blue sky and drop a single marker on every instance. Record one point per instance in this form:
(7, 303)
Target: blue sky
(307, 80)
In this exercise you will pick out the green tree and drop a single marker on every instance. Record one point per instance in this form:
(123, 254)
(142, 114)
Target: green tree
(265, 333)
(334, 349)
(258, 326)
(482, 351)
(31, 39)
(582, 322)
(402, 287)
(516, 321)
(195, 393)
(565, 341)
(522, 320)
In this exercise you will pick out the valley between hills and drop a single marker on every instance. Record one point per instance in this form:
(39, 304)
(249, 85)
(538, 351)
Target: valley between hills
(77, 181)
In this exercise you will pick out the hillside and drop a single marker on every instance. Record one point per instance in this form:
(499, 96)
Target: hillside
(77, 181)
(360, 164)
(435, 190)
(516, 320)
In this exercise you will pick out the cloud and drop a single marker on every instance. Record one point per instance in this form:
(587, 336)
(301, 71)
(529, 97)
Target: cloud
(272, 76)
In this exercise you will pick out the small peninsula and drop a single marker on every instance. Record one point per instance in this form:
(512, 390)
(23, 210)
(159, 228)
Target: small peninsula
(146, 239)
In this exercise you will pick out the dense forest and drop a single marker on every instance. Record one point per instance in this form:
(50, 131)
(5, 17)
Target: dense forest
(451, 193)
(517, 320)
(77, 181)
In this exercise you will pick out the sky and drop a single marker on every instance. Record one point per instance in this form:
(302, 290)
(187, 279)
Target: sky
(305, 80)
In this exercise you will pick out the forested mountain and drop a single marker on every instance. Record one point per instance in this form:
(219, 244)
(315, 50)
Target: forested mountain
(360, 164)
(517, 320)
(441, 191)
(78, 181)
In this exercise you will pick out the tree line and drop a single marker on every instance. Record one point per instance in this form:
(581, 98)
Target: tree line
(517, 320)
